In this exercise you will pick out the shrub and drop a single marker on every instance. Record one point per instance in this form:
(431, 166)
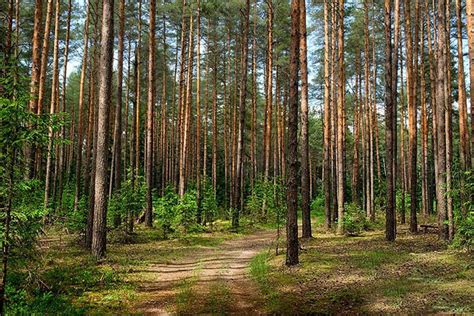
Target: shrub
(208, 203)
(129, 199)
(355, 220)
(464, 237)
(266, 201)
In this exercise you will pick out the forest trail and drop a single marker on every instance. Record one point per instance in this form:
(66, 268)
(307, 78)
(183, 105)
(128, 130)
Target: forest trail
(219, 275)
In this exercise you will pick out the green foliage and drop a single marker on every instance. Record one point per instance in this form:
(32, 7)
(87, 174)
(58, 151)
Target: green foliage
(186, 212)
(175, 214)
(355, 220)
(209, 202)
(464, 237)
(266, 201)
(164, 210)
(128, 199)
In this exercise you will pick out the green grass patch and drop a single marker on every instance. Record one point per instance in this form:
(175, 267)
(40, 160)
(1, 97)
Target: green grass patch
(218, 299)
(186, 297)
(374, 259)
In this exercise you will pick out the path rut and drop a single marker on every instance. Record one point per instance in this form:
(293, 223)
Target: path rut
(225, 266)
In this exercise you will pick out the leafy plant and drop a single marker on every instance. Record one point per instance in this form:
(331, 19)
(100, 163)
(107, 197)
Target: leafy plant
(129, 199)
(355, 220)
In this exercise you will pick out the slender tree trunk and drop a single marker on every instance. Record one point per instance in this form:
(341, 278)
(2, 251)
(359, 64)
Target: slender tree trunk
(214, 114)
(62, 147)
(242, 100)
(198, 112)
(448, 126)
(268, 92)
(470, 34)
(305, 198)
(292, 179)
(340, 122)
(327, 117)
(35, 76)
(369, 134)
(105, 97)
(390, 230)
(149, 122)
(187, 113)
(253, 145)
(36, 56)
(42, 78)
(357, 114)
(464, 148)
(440, 120)
(53, 104)
(80, 115)
(432, 104)
(138, 93)
(412, 62)
(116, 172)
(424, 125)
(181, 101)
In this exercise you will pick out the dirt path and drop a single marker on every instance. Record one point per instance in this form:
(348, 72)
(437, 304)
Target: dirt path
(214, 276)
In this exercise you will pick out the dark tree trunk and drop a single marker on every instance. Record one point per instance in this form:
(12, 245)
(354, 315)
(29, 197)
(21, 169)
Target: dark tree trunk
(292, 177)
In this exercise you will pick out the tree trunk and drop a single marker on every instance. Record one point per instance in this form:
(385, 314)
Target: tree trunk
(327, 117)
(53, 103)
(116, 172)
(149, 122)
(214, 114)
(105, 97)
(424, 125)
(240, 137)
(35, 76)
(292, 178)
(464, 149)
(340, 122)
(138, 94)
(198, 113)
(470, 34)
(390, 230)
(305, 198)
(42, 79)
(440, 121)
(253, 145)
(187, 114)
(80, 115)
(268, 93)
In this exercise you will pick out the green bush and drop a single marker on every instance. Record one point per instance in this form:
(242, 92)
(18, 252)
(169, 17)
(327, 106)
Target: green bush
(355, 220)
(209, 206)
(266, 203)
(129, 199)
(175, 214)
(464, 237)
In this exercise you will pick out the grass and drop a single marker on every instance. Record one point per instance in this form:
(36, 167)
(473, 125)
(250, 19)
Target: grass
(366, 274)
(415, 274)
(63, 276)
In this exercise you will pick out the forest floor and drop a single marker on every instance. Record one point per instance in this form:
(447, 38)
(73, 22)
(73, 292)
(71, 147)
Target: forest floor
(229, 273)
